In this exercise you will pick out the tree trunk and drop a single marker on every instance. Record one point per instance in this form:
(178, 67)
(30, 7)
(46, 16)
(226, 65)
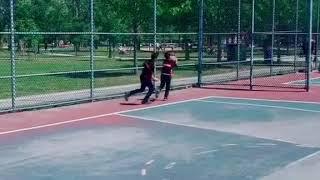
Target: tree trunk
(1, 41)
(219, 54)
(76, 4)
(187, 48)
(110, 48)
(38, 48)
(288, 45)
(138, 43)
(136, 47)
(76, 48)
(135, 44)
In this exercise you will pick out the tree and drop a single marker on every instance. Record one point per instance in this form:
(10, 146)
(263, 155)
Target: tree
(4, 18)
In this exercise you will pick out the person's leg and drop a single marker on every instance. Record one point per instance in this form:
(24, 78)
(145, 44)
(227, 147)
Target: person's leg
(150, 91)
(142, 88)
(162, 84)
(168, 86)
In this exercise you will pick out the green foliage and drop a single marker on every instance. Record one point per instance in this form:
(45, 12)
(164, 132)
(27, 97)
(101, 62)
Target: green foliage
(137, 16)
(4, 15)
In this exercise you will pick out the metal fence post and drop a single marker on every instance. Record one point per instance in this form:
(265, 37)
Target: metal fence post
(309, 55)
(238, 37)
(154, 25)
(296, 36)
(252, 44)
(92, 50)
(317, 41)
(135, 46)
(200, 43)
(155, 37)
(12, 57)
(272, 36)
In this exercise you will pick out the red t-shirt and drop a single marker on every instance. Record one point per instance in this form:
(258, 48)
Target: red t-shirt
(167, 67)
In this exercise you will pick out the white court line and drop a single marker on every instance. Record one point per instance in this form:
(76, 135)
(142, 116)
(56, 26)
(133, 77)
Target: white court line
(253, 146)
(294, 163)
(302, 145)
(258, 105)
(297, 81)
(266, 144)
(202, 128)
(206, 152)
(303, 159)
(268, 100)
(149, 162)
(170, 165)
(197, 147)
(94, 117)
(227, 145)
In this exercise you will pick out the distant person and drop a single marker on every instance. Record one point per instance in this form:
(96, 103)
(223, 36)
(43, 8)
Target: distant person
(267, 48)
(313, 51)
(169, 63)
(146, 79)
(305, 47)
(46, 46)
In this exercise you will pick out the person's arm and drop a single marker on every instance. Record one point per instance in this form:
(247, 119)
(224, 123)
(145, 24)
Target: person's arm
(154, 78)
(146, 65)
(175, 62)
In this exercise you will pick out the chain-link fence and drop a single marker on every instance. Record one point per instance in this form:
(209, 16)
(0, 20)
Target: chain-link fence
(57, 52)
(260, 43)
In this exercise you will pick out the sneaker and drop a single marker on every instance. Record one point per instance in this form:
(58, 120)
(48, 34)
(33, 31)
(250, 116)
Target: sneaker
(145, 102)
(165, 98)
(126, 96)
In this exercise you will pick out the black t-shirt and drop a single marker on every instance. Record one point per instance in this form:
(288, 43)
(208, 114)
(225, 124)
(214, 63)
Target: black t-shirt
(148, 69)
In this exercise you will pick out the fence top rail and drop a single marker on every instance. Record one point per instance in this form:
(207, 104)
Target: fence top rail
(222, 63)
(99, 33)
(152, 33)
(282, 33)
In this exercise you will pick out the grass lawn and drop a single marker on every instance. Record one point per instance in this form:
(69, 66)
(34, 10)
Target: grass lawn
(46, 63)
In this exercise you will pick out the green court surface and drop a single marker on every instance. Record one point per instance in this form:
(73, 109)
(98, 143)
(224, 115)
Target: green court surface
(170, 142)
(229, 110)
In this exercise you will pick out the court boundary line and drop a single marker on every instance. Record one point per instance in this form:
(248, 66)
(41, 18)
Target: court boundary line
(269, 100)
(95, 117)
(303, 159)
(259, 105)
(292, 82)
(209, 129)
(294, 163)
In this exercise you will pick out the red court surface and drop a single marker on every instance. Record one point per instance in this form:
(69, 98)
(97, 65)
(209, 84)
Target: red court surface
(56, 117)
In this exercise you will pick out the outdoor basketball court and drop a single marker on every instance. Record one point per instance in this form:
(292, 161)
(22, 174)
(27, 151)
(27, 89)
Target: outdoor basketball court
(253, 116)
(199, 134)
